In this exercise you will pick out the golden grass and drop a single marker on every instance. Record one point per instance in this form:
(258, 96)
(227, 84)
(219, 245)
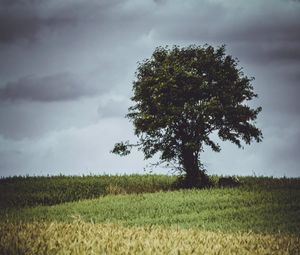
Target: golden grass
(87, 238)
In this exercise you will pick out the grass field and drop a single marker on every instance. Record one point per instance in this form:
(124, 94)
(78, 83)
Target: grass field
(260, 217)
(87, 238)
(49, 190)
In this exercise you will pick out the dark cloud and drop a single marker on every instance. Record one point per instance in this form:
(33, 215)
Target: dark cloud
(22, 20)
(20, 27)
(59, 87)
(262, 24)
(65, 65)
(257, 32)
(26, 19)
(266, 53)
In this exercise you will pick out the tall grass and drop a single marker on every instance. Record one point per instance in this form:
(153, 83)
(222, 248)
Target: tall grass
(29, 191)
(229, 209)
(118, 215)
(87, 238)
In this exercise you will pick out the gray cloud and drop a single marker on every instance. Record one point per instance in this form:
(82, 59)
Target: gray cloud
(22, 20)
(113, 107)
(67, 67)
(28, 18)
(33, 119)
(257, 32)
(62, 86)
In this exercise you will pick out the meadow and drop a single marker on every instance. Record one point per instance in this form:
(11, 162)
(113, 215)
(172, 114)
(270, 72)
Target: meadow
(19, 191)
(144, 215)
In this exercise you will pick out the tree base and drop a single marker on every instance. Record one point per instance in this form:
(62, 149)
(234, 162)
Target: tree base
(189, 182)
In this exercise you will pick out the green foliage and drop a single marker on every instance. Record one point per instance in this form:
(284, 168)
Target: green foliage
(29, 191)
(181, 96)
(121, 148)
(262, 205)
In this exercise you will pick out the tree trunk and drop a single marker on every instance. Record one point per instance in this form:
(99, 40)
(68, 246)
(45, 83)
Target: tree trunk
(194, 177)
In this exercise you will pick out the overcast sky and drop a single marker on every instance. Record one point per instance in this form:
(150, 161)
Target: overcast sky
(67, 67)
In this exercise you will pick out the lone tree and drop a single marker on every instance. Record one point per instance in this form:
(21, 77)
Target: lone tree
(184, 94)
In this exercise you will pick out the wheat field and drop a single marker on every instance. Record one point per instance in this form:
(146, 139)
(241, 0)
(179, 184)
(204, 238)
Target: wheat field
(81, 237)
(143, 215)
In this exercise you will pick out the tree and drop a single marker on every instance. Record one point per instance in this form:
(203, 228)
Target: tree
(184, 94)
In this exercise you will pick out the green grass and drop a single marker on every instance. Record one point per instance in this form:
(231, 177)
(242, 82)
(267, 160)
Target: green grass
(29, 191)
(119, 215)
(261, 205)
(16, 192)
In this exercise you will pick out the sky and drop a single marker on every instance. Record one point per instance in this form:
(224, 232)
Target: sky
(67, 67)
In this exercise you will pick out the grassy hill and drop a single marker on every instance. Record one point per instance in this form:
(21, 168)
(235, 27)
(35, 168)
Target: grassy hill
(119, 215)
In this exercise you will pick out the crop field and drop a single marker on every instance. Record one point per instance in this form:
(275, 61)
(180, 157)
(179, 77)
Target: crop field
(147, 216)
(28, 191)
(88, 238)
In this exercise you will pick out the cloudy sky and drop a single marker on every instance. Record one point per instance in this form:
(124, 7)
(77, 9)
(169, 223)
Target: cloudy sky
(67, 67)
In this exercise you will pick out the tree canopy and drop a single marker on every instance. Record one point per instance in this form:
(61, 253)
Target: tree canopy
(181, 96)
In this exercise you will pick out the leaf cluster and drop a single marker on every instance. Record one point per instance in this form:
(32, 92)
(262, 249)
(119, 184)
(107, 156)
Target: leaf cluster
(183, 94)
